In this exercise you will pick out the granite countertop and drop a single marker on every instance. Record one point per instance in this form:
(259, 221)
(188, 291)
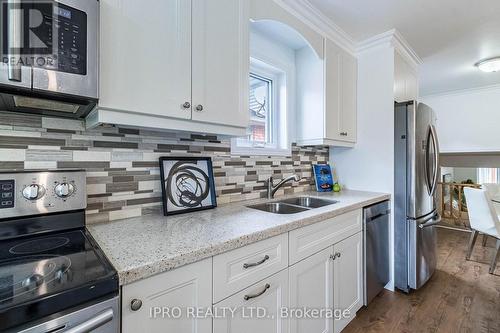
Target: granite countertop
(143, 246)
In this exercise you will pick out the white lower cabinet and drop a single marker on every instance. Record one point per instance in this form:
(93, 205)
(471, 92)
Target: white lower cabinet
(261, 288)
(181, 288)
(268, 297)
(311, 287)
(348, 278)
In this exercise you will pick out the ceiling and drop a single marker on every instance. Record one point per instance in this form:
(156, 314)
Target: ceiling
(449, 35)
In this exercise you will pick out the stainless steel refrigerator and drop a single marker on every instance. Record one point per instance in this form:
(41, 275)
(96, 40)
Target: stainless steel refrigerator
(417, 174)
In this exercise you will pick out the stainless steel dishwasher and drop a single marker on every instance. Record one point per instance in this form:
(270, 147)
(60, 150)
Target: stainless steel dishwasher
(376, 249)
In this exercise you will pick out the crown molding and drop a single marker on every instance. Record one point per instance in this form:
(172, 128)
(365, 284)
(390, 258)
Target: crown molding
(395, 39)
(467, 91)
(310, 15)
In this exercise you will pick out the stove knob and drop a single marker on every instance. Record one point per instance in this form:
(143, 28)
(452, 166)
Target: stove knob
(64, 275)
(32, 282)
(64, 190)
(33, 192)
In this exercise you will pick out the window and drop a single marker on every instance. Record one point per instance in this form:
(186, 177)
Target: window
(261, 110)
(488, 175)
(267, 133)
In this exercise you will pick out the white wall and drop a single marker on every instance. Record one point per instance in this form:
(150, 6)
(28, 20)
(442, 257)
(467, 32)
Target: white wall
(461, 174)
(282, 56)
(468, 121)
(369, 165)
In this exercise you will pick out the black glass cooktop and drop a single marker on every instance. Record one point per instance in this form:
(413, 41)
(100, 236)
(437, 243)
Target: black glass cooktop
(42, 275)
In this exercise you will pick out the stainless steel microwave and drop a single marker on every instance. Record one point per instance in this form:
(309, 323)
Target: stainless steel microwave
(49, 53)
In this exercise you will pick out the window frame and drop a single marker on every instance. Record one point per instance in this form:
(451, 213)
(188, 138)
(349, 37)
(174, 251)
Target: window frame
(278, 115)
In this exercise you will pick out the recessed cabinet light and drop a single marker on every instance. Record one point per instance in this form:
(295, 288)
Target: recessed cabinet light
(489, 65)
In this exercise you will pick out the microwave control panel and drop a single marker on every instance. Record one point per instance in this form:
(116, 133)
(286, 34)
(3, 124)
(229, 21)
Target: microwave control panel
(63, 37)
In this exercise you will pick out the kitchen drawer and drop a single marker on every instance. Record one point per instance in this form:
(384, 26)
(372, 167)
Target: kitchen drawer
(270, 294)
(240, 268)
(308, 240)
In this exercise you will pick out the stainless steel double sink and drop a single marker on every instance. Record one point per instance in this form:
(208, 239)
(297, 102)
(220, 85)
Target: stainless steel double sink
(293, 205)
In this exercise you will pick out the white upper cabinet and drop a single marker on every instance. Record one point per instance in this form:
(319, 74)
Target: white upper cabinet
(349, 105)
(220, 61)
(174, 65)
(145, 57)
(327, 97)
(405, 80)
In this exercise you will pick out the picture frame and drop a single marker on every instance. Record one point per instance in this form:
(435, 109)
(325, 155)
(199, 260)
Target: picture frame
(187, 184)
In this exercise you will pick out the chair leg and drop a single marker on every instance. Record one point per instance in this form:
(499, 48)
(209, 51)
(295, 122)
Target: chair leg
(495, 257)
(485, 239)
(472, 240)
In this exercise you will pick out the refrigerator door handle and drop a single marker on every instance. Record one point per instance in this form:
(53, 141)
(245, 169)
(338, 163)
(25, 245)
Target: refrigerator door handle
(435, 144)
(430, 222)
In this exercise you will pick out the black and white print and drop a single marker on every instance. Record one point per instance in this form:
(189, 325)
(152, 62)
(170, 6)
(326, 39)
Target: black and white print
(188, 184)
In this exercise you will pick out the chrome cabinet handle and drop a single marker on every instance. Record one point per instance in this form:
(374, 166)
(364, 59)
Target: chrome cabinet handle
(136, 304)
(343, 133)
(14, 36)
(93, 323)
(186, 105)
(199, 107)
(335, 255)
(247, 297)
(253, 264)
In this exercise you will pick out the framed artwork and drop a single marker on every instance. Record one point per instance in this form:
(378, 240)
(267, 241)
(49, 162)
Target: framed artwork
(187, 184)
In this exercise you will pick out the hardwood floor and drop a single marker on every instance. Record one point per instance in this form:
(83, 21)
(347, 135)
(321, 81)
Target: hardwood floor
(460, 297)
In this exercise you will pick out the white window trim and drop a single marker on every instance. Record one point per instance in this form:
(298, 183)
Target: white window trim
(281, 81)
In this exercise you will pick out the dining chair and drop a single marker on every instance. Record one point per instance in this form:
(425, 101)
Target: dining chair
(483, 219)
(493, 190)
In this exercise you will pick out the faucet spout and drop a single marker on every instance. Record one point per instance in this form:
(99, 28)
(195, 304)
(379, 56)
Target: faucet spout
(271, 188)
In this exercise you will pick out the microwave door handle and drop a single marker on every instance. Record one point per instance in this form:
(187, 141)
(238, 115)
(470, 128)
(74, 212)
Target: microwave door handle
(436, 159)
(14, 38)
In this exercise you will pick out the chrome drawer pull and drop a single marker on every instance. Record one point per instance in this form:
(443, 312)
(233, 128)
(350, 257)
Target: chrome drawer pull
(247, 297)
(266, 258)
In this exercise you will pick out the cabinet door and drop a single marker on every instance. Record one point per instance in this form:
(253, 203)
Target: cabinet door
(311, 286)
(145, 56)
(187, 286)
(348, 111)
(347, 279)
(333, 92)
(271, 294)
(221, 61)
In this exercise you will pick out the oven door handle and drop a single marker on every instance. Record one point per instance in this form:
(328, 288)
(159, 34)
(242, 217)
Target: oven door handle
(100, 319)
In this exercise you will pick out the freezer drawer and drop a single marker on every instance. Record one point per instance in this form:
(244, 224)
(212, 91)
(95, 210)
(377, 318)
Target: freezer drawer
(376, 249)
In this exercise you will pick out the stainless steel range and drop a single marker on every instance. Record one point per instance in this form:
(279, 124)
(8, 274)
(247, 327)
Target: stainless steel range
(53, 276)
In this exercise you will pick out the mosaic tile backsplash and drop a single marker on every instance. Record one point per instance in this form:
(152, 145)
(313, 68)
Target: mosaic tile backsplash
(122, 165)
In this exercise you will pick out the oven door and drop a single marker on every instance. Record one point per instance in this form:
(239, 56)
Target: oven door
(103, 317)
(74, 36)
